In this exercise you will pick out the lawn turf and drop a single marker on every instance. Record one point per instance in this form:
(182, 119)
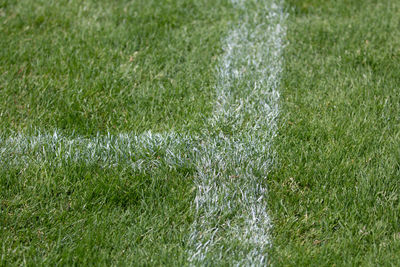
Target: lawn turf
(335, 195)
(101, 66)
(92, 67)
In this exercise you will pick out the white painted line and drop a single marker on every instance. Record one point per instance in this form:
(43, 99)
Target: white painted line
(232, 224)
(141, 153)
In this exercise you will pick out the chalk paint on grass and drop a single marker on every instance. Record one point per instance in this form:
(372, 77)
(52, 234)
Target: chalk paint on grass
(139, 152)
(232, 224)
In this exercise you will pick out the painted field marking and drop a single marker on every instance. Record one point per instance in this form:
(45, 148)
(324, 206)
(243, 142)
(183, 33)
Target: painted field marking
(232, 156)
(232, 222)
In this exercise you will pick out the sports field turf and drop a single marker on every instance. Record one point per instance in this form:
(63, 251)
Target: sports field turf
(116, 117)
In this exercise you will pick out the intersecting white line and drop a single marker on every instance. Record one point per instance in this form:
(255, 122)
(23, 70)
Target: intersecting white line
(232, 155)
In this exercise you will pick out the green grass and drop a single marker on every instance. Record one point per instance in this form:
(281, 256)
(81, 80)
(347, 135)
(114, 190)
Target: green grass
(85, 68)
(335, 196)
(84, 215)
(108, 66)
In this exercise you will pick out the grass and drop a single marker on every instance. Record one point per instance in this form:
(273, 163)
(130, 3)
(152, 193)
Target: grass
(85, 215)
(108, 66)
(87, 68)
(335, 194)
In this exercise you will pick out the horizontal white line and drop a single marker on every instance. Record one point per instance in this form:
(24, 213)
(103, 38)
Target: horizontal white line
(138, 152)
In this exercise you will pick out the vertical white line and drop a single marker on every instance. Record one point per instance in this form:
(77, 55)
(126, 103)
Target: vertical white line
(232, 224)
